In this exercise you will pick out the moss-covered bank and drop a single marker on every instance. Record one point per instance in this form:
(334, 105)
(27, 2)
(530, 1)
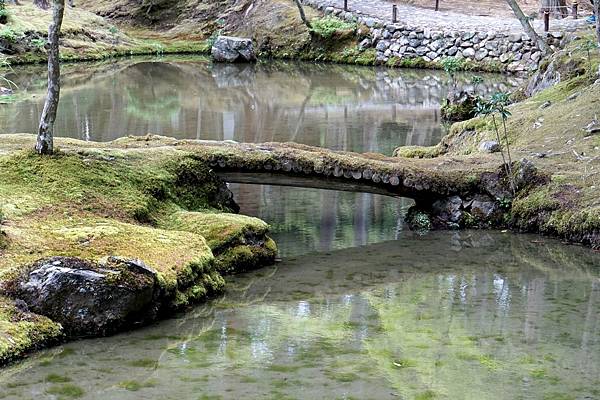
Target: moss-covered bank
(162, 205)
(97, 30)
(85, 37)
(555, 129)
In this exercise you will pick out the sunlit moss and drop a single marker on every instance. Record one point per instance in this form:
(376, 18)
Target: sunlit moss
(67, 390)
(55, 378)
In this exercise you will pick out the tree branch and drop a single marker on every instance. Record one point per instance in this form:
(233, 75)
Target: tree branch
(535, 38)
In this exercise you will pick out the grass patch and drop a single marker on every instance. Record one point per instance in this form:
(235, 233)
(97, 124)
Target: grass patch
(55, 378)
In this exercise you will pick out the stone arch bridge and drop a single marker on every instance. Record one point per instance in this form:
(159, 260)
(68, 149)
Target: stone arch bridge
(451, 192)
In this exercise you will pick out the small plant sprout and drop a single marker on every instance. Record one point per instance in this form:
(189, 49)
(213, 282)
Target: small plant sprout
(498, 105)
(452, 65)
(476, 80)
(588, 46)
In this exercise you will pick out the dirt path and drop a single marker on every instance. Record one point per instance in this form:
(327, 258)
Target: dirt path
(492, 8)
(495, 19)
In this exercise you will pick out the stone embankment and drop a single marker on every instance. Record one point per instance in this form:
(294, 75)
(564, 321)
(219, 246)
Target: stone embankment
(493, 44)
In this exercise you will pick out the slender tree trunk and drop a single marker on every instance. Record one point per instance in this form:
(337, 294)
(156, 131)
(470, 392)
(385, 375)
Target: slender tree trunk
(45, 139)
(302, 15)
(535, 38)
(597, 14)
(43, 4)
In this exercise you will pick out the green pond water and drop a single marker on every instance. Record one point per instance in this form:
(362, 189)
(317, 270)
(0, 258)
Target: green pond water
(469, 315)
(359, 307)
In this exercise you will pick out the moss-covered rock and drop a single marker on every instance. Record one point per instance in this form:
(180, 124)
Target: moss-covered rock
(459, 106)
(239, 243)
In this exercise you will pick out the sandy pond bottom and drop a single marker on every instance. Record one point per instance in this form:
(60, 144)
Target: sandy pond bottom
(470, 315)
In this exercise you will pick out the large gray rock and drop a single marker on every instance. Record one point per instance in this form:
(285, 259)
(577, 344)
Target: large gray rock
(88, 298)
(483, 208)
(233, 49)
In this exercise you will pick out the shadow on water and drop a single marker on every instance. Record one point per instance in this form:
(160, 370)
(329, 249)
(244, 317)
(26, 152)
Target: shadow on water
(339, 107)
(469, 315)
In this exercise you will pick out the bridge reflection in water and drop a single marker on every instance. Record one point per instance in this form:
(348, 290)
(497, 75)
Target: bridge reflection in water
(309, 220)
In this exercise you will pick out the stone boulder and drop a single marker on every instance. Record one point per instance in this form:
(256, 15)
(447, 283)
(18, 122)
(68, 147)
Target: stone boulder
(489, 146)
(233, 49)
(89, 298)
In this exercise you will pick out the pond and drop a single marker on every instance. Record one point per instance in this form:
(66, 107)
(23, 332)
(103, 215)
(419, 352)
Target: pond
(469, 315)
(340, 107)
(359, 307)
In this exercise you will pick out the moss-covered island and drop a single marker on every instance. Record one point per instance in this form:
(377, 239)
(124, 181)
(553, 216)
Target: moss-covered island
(162, 206)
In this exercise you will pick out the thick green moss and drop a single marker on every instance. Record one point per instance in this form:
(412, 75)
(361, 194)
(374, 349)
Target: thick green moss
(219, 229)
(417, 151)
(96, 201)
(22, 332)
(246, 257)
(240, 243)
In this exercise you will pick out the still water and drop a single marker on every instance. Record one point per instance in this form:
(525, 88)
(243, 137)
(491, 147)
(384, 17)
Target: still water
(340, 107)
(470, 315)
(359, 307)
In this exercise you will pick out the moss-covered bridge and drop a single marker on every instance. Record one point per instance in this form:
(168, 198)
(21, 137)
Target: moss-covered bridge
(290, 164)
(452, 192)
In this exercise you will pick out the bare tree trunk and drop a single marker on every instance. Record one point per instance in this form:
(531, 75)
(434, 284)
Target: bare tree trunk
(43, 4)
(535, 38)
(45, 138)
(597, 14)
(302, 15)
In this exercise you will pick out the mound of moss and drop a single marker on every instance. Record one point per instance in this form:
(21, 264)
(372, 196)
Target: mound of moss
(161, 205)
(550, 128)
(22, 331)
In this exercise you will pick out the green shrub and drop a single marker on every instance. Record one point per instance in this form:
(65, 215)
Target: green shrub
(38, 43)
(452, 65)
(8, 34)
(213, 38)
(328, 26)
